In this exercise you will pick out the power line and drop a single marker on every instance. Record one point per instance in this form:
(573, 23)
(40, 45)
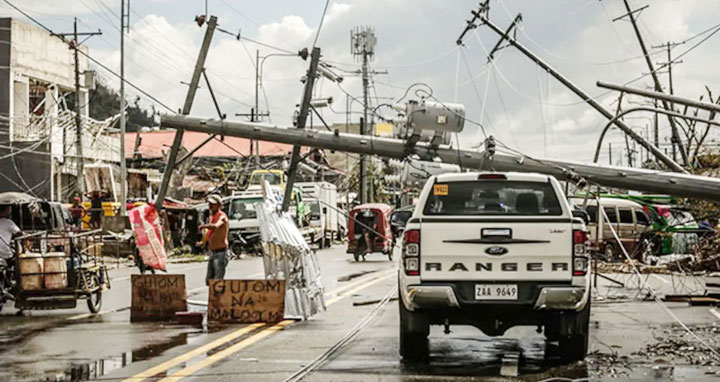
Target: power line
(327, 2)
(98, 63)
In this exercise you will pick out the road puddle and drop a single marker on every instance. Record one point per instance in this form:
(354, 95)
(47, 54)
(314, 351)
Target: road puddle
(95, 369)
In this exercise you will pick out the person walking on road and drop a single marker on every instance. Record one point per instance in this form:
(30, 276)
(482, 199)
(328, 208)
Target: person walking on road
(96, 209)
(217, 240)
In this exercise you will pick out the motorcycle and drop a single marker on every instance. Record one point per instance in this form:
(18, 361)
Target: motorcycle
(245, 242)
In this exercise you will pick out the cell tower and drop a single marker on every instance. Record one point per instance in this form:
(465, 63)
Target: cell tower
(362, 46)
(362, 42)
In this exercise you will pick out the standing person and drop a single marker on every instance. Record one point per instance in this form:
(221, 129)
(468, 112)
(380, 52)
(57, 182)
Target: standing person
(217, 239)
(96, 209)
(78, 212)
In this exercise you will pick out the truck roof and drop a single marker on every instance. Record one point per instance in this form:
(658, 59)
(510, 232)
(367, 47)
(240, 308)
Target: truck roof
(516, 176)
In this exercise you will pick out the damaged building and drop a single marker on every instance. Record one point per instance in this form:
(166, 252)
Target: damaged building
(38, 129)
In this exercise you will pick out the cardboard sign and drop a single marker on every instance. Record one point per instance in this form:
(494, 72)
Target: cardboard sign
(157, 297)
(246, 301)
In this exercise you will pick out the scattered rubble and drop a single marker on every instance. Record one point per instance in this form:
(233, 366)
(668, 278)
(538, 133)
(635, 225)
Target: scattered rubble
(627, 267)
(676, 345)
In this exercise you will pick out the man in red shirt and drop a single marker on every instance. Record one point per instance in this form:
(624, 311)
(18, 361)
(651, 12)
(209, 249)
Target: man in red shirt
(78, 212)
(216, 237)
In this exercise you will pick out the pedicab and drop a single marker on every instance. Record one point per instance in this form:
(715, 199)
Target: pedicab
(54, 265)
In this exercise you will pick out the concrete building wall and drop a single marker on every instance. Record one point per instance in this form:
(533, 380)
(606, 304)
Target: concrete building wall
(30, 55)
(34, 53)
(5, 76)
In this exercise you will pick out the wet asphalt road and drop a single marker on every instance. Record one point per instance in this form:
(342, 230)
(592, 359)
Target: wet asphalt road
(69, 345)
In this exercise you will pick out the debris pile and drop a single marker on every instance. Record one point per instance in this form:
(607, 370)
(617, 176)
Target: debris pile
(608, 364)
(679, 346)
(707, 256)
(627, 267)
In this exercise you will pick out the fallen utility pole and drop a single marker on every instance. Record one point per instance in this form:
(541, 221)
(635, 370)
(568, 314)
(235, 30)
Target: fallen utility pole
(656, 81)
(646, 108)
(683, 185)
(301, 120)
(189, 98)
(479, 15)
(661, 96)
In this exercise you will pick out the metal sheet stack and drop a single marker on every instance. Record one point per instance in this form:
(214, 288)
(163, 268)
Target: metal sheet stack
(288, 257)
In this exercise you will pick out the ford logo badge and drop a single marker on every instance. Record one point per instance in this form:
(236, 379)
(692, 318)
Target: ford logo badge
(496, 251)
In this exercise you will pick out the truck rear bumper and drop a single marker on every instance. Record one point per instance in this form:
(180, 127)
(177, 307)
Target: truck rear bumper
(438, 297)
(432, 297)
(561, 298)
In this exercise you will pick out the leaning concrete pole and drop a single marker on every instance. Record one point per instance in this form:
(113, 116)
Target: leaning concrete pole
(301, 120)
(192, 89)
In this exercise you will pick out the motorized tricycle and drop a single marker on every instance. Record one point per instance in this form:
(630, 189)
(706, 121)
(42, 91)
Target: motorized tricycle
(369, 230)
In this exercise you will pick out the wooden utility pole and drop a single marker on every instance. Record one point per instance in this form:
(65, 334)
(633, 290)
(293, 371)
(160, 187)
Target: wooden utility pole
(75, 45)
(189, 98)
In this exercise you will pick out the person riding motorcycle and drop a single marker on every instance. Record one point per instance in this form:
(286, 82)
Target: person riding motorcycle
(8, 231)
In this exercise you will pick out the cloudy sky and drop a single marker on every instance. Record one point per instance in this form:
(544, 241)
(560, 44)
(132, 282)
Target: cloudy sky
(516, 101)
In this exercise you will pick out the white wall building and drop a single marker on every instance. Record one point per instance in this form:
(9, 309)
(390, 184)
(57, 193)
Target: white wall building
(38, 152)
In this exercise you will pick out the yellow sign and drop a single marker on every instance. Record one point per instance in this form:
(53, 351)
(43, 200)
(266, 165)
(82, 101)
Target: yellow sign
(440, 189)
(384, 129)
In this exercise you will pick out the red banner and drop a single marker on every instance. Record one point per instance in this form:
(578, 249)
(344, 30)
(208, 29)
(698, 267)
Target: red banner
(148, 236)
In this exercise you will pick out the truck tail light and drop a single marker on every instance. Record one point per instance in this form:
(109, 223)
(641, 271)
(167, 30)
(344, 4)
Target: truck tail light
(580, 260)
(411, 252)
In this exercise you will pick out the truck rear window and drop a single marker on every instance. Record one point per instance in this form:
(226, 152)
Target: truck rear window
(489, 197)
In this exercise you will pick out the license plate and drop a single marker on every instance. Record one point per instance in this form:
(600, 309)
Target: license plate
(496, 291)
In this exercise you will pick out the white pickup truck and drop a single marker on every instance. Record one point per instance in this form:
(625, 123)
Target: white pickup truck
(494, 250)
